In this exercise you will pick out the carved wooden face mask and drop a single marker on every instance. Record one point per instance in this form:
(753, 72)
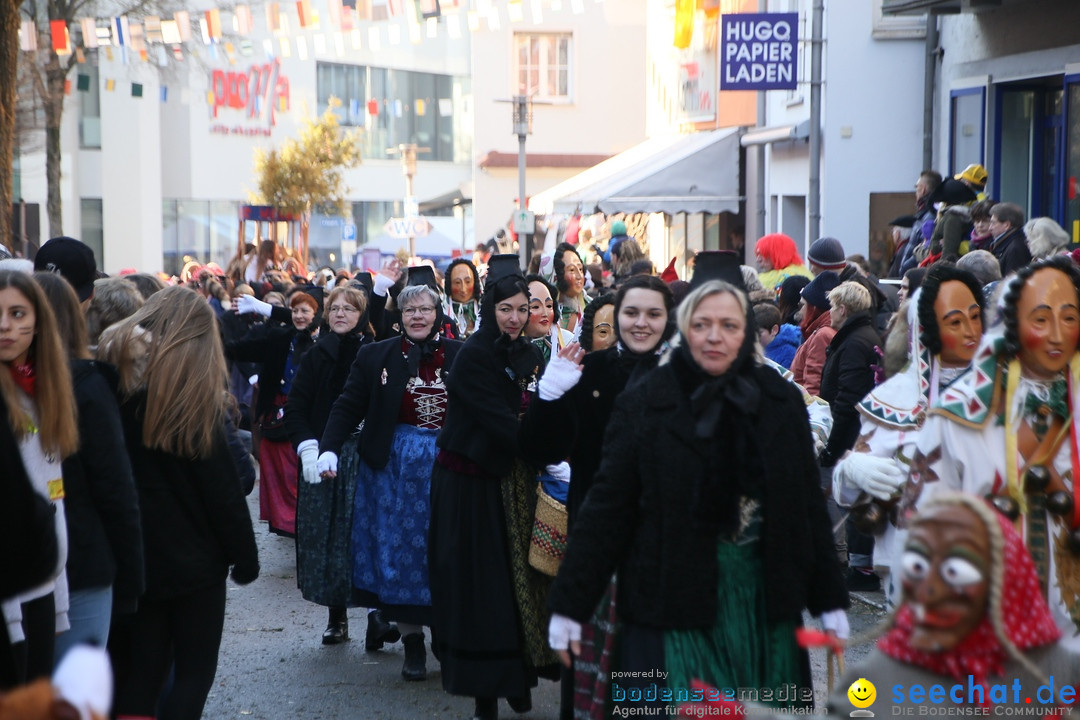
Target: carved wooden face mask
(1048, 318)
(946, 576)
(959, 321)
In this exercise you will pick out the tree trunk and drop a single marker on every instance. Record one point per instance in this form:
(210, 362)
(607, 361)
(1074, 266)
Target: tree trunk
(9, 60)
(55, 75)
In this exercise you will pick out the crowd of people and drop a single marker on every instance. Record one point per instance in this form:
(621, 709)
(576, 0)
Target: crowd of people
(577, 472)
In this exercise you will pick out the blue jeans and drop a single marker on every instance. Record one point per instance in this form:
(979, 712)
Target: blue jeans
(90, 614)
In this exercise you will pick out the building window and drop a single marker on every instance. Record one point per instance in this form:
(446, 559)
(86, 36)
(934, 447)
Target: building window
(543, 65)
(966, 131)
(89, 107)
(92, 230)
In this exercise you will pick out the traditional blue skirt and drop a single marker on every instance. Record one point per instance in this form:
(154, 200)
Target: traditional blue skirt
(390, 526)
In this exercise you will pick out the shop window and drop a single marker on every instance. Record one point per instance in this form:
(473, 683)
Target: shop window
(542, 66)
(966, 132)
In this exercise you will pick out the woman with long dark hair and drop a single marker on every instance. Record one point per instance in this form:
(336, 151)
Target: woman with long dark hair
(195, 520)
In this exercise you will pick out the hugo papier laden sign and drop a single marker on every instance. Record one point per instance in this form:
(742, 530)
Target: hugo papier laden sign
(759, 51)
(257, 94)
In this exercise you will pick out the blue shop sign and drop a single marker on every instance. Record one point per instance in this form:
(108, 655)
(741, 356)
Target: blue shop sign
(759, 51)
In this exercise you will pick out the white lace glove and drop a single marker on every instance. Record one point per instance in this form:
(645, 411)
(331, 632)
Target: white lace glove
(327, 463)
(562, 631)
(383, 284)
(836, 620)
(561, 375)
(309, 461)
(559, 471)
(249, 304)
(253, 380)
(877, 476)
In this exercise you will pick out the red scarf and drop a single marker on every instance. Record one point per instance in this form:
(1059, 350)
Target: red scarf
(25, 377)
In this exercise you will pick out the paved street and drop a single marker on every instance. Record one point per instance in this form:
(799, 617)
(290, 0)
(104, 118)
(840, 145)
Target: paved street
(273, 665)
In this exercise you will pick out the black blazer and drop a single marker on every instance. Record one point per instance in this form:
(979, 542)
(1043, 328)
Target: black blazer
(482, 405)
(102, 510)
(846, 378)
(366, 397)
(269, 345)
(316, 387)
(639, 515)
(194, 516)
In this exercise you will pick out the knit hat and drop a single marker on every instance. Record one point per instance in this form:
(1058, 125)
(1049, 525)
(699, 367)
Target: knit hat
(74, 260)
(974, 174)
(618, 228)
(827, 253)
(817, 292)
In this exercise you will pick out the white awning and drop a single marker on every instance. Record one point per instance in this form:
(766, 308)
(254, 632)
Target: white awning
(671, 174)
(779, 133)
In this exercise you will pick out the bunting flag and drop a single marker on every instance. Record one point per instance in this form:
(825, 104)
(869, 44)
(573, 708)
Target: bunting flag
(373, 107)
(363, 9)
(301, 47)
(373, 38)
(421, 107)
(89, 32)
(243, 20)
(164, 94)
(183, 25)
(80, 56)
(339, 43)
(286, 49)
(108, 53)
(213, 23)
(354, 108)
(67, 87)
(537, 12)
(110, 85)
(319, 42)
(82, 83)
(136, 90)
(152, 26)
(104, 35)
(432, 27)
(393, 34)
(415, 36)
(430, 9)
(348, 20)
(334, 9)
(268, 48)
(273, 17)
(684, 23)
(27, 36)
(354, 37)
(178, 53)
(453, 26)
(204, 28)
(446, 107)
(170, 32)
(121, 33)
(515, 11)
(61, 40)
(577, 6)
(303, 12)
(474, 20)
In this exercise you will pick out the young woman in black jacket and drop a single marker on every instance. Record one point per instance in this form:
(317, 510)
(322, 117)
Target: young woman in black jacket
(194, 517)
(105, 559)
(324, 511)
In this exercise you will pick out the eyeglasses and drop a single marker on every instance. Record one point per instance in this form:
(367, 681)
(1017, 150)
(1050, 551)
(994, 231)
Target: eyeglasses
(414, 311)
(347, 309)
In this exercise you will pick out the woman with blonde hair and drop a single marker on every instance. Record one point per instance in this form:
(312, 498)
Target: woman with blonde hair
(36, 387)
(194, 517)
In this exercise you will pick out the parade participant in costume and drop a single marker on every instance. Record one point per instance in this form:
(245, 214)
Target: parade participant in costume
(778, 259)
(543, 328)
(279, 349)
(972, 615)
(570, 279)
(708, 502)
(1004, 430)
(462, 286)
(598, 324)
(35, 381)
(488, 603)
(944, 322)
(194, 517)
(320, 507)
(396, 388)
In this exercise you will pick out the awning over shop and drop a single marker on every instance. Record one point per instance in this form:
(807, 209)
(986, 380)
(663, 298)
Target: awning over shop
(671, 174)
(779, 133)
(901, 7)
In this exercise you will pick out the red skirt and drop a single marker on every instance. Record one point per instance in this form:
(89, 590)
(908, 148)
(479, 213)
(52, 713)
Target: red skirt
(277, 486)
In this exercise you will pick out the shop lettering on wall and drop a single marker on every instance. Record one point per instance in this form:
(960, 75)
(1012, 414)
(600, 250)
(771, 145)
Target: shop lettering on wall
(759, 51)
(258, 94)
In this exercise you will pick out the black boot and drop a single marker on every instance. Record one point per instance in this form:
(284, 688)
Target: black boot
(379, 632)
(415, 667)
(486, 709)
(522, 704)
(337, 627)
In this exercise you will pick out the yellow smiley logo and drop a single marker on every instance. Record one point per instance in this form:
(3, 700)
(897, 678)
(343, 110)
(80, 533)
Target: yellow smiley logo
(862, 693)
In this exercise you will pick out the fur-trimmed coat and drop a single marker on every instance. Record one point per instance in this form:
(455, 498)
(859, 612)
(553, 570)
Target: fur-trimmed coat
(639, 517)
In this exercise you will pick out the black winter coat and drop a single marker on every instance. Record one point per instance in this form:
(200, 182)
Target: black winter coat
(573, 426)
(104, 534)
(846, 378)
(1012, 251)
(367, 397)
(483, 404)
(317, 386)
(194, 517)
(268, 344)
(638, 517)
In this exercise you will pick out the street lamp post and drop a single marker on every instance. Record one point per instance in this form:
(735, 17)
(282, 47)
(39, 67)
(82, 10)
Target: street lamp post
(522, 128)
(408, 152)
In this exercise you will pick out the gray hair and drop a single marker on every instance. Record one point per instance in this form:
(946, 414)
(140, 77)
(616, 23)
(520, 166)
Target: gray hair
(411, 293)
(982, 264)
(114, 299)
(1044, 237)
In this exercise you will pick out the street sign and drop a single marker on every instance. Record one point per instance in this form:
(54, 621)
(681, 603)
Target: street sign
(524, 222)
(407, 227)
(348, 231)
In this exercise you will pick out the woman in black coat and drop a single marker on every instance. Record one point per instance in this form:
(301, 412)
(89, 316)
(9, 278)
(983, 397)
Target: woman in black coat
(105, 559)
(279, 349)
(487, 602)
(322, 509)
(707, 502)
(397, 389)
(194, 517)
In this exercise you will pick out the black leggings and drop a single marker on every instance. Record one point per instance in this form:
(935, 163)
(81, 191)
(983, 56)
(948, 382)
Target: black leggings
(183, 633)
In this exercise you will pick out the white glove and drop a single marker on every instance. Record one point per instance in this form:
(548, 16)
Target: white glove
(836, 620)
(559, 471)
(249, 304)
(84, 678)
(253, 380)
(327, 463)
(382, 284)
(309, 461)
(877, 476)
(562, 631)
(559, 376)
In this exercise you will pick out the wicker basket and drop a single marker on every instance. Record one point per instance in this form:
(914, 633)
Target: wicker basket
(548, 543)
